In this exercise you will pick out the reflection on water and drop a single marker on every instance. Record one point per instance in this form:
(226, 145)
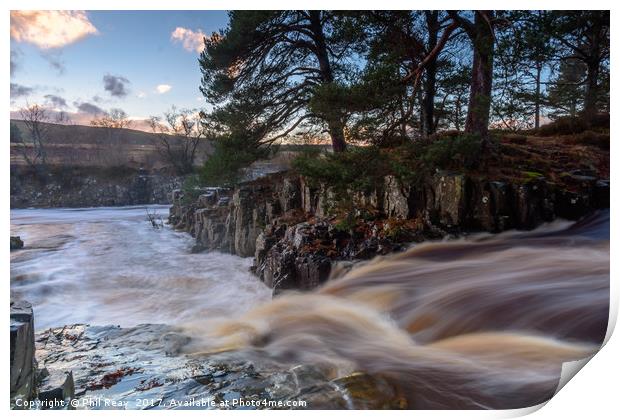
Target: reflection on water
(108, 266)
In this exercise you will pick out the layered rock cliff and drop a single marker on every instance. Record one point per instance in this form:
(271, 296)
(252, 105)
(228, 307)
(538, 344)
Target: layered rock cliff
(285, 223)
(92, 190)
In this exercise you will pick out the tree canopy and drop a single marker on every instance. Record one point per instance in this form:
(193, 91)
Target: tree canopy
(388, 77)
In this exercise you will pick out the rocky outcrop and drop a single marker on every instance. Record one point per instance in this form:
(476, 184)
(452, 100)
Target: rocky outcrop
(286, 224)
(23, 363)
(231, 220)
(16, 242)
(93, 190)
(142, 368)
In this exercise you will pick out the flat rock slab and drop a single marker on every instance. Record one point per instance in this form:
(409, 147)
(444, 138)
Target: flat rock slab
(141, 368)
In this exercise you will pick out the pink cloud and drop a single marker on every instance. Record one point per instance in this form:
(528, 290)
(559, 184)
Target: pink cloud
(49, 29)
(191, 40)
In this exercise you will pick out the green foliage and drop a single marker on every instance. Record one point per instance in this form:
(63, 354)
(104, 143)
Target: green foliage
(363, 169)
(231, 155)
(346, 224)
(357, 169)
(460, 152)
(531, 175)
(191, 190)
(566, 91)
(261, 72)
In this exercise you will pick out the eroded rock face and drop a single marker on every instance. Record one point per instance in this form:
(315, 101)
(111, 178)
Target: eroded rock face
(142, 367)
(286, 224)
(92, 190)
(23, 363)
(232, 220)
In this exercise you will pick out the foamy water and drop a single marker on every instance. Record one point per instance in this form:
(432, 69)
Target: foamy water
(484, 322)
(109, 266)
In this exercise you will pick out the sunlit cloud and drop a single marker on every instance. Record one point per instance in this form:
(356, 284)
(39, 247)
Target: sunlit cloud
(163, 88)
(191, 40)
(50, 28)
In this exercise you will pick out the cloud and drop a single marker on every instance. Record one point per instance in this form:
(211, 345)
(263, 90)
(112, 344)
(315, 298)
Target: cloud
(50, 28)
(15, 60)
(141, 95)
(115, 85)
(56, 101)
(163, 88)
(54, 59)
(192, 41)
(18, 90)
(88, 108)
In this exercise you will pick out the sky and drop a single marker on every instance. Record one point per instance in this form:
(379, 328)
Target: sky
(87, 62)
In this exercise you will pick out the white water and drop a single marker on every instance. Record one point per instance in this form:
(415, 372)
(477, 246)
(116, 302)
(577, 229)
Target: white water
(108, 265)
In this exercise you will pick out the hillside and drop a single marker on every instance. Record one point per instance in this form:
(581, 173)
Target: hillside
(79, 145)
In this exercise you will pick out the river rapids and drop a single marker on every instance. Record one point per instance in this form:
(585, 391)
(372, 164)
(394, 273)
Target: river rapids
(481, 322)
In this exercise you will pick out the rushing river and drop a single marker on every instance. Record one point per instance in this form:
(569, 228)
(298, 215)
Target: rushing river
(481, 322)
(109, 266)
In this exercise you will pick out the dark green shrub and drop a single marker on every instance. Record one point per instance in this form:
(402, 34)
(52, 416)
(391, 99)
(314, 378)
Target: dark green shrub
(459, 153)
(191, 190)
(357, 169)
(224, 167)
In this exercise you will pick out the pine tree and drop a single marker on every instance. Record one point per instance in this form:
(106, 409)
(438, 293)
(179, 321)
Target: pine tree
(262, 71)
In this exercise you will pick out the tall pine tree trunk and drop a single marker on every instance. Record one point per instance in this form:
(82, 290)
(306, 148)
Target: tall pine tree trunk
(537, 98)
(430, 81)
(590, 107)
(481, 79)
(334, 124)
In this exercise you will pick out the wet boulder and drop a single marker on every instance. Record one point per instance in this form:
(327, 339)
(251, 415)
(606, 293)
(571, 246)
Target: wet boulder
(491, 206)
(16, 242)
(601, 194)
(534, 203)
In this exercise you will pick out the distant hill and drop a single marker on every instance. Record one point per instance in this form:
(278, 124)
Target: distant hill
(80, 145)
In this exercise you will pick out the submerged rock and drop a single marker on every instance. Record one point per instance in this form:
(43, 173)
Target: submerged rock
(16, 242)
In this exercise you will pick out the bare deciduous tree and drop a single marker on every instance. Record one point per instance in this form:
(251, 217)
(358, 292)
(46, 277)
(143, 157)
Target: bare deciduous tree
(178, 136)
(63, 118)
(112, 149)
(33, 146)
(115, 118)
